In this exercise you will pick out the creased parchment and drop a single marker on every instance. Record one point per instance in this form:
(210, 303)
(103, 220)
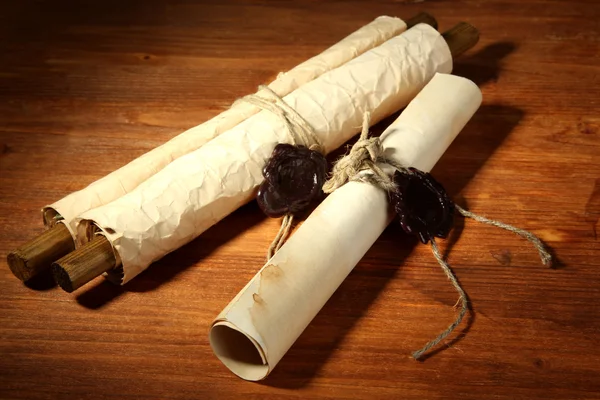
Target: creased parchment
(258, 327)
(195, 191)
(128, 177)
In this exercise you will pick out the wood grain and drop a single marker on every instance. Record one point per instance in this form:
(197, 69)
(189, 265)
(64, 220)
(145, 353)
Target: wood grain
(87, 86)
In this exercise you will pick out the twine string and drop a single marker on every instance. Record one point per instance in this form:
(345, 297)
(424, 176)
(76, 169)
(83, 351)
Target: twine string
(300, 133)
(462, 298)
(361, 163)
(282, 235)
(545, 255)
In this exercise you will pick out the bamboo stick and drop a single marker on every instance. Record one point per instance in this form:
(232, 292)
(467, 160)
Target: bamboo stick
(97, 257)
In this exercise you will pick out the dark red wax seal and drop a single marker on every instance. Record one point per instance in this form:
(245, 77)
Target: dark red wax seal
(294, 177)
(422, 204)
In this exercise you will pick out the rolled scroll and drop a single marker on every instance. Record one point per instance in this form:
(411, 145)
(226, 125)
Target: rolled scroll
(197, 190)
(125, 179)
(258, 327)
(39, 253)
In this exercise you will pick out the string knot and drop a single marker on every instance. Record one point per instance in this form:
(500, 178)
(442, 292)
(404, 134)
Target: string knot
(364, 156)
(368, 149)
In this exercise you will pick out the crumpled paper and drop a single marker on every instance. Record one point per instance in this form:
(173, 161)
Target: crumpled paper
(271, 312)
(128, 177)
(197, 190)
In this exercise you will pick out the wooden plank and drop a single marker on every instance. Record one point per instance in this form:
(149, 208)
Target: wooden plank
(85, 88)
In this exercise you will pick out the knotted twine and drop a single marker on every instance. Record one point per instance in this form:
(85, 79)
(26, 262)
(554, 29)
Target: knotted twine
(361, 165)
(300, 133)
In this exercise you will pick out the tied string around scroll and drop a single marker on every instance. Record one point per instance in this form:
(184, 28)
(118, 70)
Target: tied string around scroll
(362, 164)
(295, 172)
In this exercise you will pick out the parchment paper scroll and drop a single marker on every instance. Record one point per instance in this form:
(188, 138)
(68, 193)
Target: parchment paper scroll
(195, 191)
(258, 327)
(128, 177)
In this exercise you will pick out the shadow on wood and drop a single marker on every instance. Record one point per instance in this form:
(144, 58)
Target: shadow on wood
(171, 265)
(42, 281)
(484, 65)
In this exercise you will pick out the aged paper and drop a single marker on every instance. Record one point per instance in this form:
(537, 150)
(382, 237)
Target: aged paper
(127, 178)
(258, 327)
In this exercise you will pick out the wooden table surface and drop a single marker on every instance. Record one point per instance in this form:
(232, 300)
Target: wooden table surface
(86, 87)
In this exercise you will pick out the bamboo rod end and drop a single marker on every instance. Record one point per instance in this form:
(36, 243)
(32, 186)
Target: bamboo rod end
(37, 255)
(62, 278)
(461, 38)
(18, 265)
(422, 18)
(84, 264)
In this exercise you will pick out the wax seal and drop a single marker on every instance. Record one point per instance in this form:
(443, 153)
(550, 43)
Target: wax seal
(294, 177)
(422, 204)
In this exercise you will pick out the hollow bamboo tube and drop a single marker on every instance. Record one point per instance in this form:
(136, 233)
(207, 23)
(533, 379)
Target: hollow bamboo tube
(460, 38)
(37, 255)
